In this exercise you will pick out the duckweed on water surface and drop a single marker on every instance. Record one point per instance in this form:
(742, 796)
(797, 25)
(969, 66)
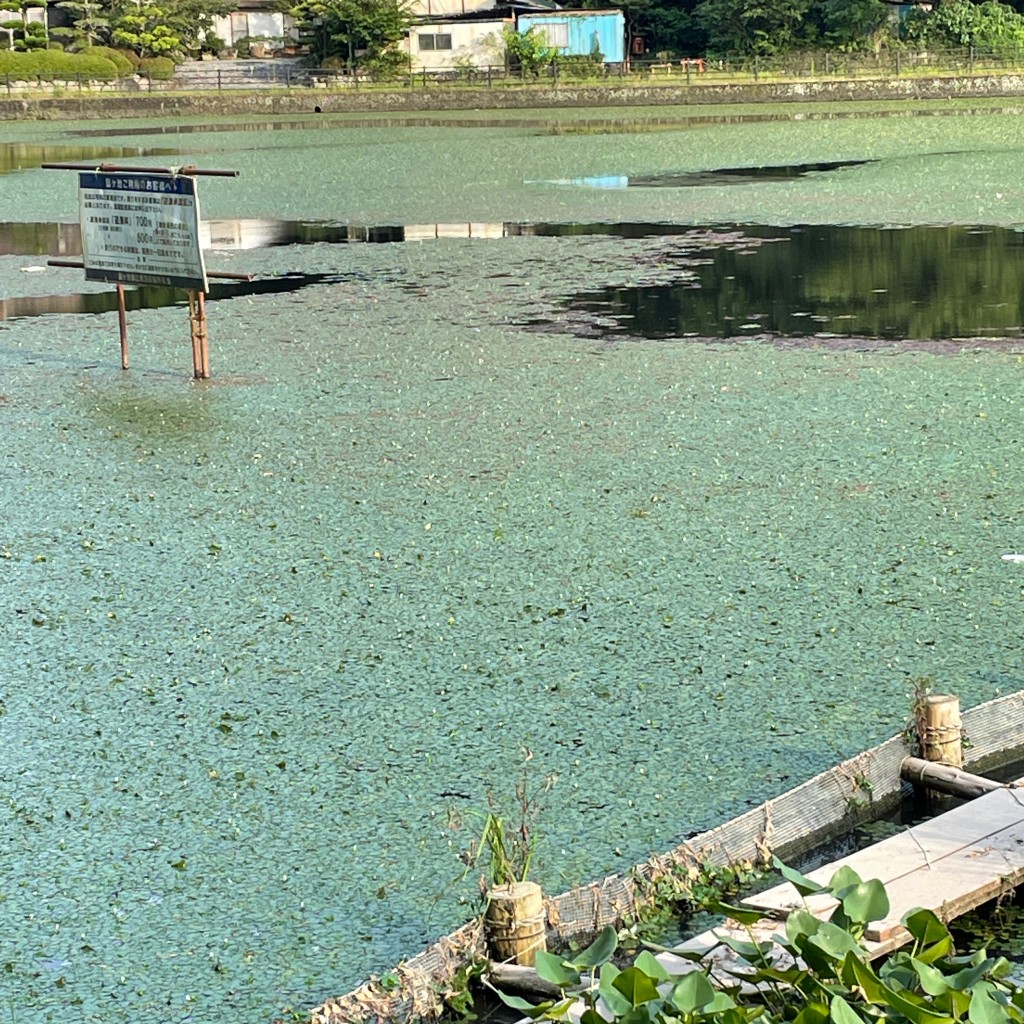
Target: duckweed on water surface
(260, 634)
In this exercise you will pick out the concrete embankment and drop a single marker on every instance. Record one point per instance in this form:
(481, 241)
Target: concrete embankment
(438, 97)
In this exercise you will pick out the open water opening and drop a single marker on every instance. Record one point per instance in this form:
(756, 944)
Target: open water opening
(23, 156)
(824, 281)
(152, 296)
(827, 283)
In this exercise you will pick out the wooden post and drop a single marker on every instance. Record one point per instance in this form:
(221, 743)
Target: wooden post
(122, 323)
(197, 329)
(514, 922)
(938, 729)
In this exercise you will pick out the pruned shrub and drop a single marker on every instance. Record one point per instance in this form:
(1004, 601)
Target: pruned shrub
(125, 68)
(55, 66)
(157, 69)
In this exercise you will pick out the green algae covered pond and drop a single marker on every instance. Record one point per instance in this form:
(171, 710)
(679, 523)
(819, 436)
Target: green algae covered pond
(261, 636)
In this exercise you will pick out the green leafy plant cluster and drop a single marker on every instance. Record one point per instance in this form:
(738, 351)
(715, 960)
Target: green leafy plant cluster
(507, 843)
(822, 974)
(667, 892)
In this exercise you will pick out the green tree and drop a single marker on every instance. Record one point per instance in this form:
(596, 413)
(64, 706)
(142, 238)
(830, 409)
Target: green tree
(89, 26)
(163, 28)
(141, 25)
(23, 33)
(528, 51)
(986, 26)
(756, 27)
(359, 33)
(854, 24)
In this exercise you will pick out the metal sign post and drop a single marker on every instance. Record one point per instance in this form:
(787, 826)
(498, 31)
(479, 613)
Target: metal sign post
(140, 225)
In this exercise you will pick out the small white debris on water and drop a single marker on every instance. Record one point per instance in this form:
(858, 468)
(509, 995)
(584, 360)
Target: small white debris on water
(32, 270)
(1013, 558)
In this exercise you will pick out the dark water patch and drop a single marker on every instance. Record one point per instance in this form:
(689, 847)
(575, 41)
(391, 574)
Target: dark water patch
(23, 156)
(825, 283)
(153, 297)
(718, 176)
(741, 175)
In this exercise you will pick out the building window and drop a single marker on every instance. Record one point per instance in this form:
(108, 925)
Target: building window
(556, 33)
(435, 41)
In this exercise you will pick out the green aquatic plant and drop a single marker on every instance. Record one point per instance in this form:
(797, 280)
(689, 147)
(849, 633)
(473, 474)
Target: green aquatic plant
(813, 972)
(506, 843)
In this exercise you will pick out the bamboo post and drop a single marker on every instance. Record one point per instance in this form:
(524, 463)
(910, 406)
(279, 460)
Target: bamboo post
(514, 922)
(122, 323)
(939, 732)
(197, 330)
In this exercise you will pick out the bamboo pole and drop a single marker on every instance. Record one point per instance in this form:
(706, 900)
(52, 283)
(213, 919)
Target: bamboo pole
(945, 779)
(122, 323)
(193, 332)
(939, 732)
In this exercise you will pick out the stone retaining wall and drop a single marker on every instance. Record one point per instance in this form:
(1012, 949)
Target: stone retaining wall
(437, 97)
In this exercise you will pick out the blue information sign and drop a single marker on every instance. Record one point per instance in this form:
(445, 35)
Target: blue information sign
(141, 229)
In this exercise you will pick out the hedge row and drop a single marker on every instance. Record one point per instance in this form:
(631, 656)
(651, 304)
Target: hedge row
(98, 63)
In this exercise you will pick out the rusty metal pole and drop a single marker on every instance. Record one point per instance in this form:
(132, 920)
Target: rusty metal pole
(122, 323)
(204, 338)
(193, 330)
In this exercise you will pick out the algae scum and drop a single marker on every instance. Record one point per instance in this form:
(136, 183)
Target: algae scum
(444, 502)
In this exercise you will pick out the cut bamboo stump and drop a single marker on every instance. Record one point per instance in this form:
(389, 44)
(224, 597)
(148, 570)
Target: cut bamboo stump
(514, 922)
(939, 731)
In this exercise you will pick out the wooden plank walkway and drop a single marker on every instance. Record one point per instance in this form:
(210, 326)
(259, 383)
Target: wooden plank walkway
(950, 864)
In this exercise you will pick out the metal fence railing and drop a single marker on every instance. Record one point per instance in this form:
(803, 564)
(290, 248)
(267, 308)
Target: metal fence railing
(802, 66)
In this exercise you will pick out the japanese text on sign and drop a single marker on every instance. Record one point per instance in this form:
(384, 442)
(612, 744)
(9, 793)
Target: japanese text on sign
(141, 229)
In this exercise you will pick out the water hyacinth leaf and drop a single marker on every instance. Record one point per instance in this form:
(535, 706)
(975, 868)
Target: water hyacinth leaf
(803, 885)
(636, 986)
(970, 976)
(914, 1008)
(856, 971)
(866, 901)
(599, 951)
(752, 952)
(932, 980)
(743, 915)
(720, 1003)
(835, 941)
(651, 966)
(692, 955)
(800, 924)
(931, 936)
(554, 969)
(692, 992)
(845, 878)
(524, 1006)
(985, 1009)
(591, 1016)
(616, 1002)
(812, 1013)
(841, 1012)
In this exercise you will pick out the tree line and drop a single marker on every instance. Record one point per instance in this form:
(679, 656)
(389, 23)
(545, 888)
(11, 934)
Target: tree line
(751, 28)
(364, 32)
